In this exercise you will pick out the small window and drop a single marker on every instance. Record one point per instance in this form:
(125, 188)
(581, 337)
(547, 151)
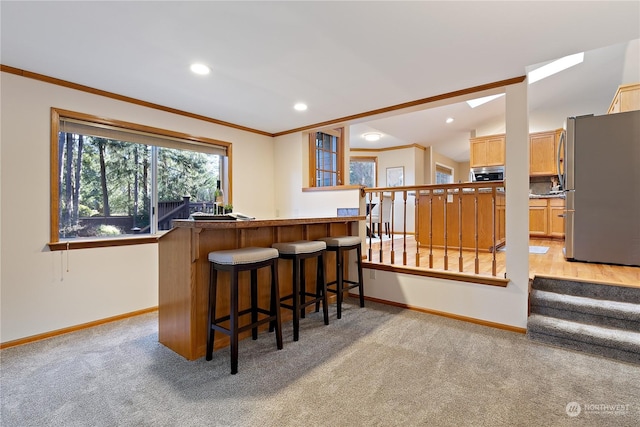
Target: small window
(363, 171)
(444, 174)
(326, 158)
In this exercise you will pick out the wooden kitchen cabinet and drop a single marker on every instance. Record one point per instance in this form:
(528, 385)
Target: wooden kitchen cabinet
(487, 151)
(627, 98)
(556, 217)
(434, 230)
(538, 218)
(546, 217)
(543, 148)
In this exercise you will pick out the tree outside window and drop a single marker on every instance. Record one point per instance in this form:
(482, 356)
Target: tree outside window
(114, 181)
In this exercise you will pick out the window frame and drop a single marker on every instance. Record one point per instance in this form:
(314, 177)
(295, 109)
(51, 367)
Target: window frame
(340, 155)
(440, 167)
(56, 115)
(365, 159)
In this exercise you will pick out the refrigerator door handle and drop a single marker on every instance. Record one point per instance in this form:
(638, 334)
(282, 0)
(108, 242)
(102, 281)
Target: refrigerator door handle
(559, 160)
(569, 212)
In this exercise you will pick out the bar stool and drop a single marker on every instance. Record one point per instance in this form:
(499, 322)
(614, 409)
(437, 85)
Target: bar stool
(298, 252)
(236, 260)
(340, 245)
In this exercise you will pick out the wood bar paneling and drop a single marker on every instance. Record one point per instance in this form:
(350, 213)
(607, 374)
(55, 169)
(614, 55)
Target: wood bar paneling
(184, 272)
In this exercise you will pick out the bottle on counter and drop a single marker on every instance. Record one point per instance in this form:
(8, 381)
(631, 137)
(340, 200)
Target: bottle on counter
(219, 199)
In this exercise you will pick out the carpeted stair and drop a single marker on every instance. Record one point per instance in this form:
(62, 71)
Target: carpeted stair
(595, 318)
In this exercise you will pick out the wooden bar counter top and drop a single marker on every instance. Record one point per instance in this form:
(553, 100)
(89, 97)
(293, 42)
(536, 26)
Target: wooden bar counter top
(184, 271)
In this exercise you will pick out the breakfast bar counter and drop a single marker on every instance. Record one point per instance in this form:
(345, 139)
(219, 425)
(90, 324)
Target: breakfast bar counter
(184, 270)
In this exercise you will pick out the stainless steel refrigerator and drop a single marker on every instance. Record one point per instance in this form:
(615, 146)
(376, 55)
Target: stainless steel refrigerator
(601, 181)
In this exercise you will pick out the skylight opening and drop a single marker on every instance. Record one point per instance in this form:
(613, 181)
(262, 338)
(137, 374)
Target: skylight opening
(555, 67)
(473, 103)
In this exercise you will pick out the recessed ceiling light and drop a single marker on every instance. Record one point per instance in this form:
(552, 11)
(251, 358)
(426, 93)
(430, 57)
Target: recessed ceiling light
(473, 103)
(555, 67)
(449, 120)
(300, 106)
(372, 136)
(200, 69)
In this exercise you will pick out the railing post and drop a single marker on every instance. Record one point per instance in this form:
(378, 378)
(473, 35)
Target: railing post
(185, 206)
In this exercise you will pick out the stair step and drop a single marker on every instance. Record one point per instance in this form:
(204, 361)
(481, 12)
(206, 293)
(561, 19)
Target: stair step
(615, 314)
(585, 289)
(609, 342)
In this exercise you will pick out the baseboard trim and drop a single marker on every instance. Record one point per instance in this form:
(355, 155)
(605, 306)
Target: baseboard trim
(75, 328)
(445, 314)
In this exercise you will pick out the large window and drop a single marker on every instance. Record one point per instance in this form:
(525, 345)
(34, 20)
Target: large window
(326, 158)
(114, 179)
(363, 171)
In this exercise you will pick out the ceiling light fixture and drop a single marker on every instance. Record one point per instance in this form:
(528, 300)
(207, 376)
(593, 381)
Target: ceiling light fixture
(473, 103)
(200, 69)
(372, 136)
(449, 120)
(555, 67)
(300, 106)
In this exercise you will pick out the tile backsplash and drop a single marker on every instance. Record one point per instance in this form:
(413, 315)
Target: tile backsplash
(540, 184)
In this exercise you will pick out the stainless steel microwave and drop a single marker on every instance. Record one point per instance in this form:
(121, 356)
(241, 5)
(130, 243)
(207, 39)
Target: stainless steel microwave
(494, 173)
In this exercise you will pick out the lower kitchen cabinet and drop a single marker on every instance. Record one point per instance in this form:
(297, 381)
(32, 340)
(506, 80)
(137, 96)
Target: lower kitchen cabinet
(538, 217)
(556, 217)
(546, 217)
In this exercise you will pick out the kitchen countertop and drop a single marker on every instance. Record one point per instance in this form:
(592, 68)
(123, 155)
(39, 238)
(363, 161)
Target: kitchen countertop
(547, 196)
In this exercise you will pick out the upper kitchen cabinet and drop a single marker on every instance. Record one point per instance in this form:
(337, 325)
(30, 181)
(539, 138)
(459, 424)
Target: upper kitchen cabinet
(543, 147)
(487, 151)
(627, 98)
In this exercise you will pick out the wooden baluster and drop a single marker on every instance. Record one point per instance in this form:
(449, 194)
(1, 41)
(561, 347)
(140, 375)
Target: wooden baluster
(446, 232)
(380, 229)
(493, 237)
(404, 230)
(417, 216)
(430, 228)
(460, 258)
(370, 196)
(475, 198)
(392, 225)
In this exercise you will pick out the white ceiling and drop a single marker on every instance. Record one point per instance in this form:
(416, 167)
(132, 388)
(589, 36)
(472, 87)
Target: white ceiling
(341, 58)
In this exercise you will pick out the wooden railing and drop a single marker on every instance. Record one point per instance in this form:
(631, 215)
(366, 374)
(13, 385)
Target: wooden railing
(436, 223)
(179, 209)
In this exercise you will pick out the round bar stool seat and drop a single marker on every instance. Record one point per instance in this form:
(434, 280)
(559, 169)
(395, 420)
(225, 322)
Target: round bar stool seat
(298, 252)
(235, 260)
(340, 245)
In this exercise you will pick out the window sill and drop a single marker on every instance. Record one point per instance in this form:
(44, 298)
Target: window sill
(102, 243)
(333, 188)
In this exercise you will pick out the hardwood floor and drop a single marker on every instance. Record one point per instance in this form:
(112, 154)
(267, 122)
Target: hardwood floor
(551, 263)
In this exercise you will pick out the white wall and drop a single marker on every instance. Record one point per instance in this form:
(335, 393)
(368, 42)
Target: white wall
(38, 294)
(291, 168)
